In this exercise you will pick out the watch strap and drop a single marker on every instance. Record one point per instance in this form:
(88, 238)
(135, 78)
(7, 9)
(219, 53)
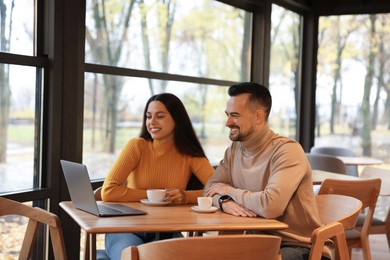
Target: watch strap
(223, 199)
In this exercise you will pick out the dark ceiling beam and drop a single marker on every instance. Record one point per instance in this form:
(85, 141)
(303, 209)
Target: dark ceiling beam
(294, 5)
(339, 7)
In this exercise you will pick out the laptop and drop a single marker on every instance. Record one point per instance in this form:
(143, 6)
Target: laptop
(82, 196)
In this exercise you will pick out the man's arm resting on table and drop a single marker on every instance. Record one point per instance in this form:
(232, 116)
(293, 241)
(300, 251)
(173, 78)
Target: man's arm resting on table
(235, 209)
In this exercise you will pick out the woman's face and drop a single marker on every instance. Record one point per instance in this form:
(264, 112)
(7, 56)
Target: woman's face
(159, 122)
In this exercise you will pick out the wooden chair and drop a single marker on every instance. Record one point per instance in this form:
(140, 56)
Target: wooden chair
(209, 247)
(367, 192)
(378, 225)
(37, 217)
(337, 213)
(337, 151)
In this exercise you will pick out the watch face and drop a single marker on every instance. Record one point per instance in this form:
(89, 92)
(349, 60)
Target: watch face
(224, 198)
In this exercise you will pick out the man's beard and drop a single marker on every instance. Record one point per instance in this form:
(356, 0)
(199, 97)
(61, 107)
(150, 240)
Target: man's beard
(240, 136)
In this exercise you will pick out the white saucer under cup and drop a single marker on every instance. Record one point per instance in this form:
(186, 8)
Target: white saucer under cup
(209, 210)
(150, 203)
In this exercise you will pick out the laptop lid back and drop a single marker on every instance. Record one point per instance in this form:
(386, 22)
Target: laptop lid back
(79, 186)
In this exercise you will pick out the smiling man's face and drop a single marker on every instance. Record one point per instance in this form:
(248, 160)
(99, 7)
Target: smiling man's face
(241, 119)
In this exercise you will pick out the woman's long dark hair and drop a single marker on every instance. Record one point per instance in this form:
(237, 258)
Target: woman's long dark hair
(185, 137)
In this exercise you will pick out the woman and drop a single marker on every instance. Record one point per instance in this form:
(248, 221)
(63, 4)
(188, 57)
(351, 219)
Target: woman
(164, 156)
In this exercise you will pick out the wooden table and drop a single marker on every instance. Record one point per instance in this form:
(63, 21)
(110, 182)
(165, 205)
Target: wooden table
(175, 218)
(319, 176)
(359, 160)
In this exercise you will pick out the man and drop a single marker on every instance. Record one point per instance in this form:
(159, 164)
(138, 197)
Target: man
(264, 174)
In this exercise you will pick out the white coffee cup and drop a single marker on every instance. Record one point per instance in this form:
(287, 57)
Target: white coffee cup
(205, 202)
(156, 195)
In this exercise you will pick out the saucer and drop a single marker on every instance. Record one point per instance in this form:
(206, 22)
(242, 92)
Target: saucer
(149, 203)
(209, 210)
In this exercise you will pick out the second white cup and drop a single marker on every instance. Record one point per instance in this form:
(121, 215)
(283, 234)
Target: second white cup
(205, 202)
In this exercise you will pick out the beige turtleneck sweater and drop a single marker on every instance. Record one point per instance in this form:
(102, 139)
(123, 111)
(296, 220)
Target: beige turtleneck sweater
(272, 177)
(153, 164)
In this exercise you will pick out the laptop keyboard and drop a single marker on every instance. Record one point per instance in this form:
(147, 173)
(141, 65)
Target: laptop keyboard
(107, 210)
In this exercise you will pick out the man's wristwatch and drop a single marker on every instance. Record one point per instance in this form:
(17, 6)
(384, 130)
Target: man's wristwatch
(223, 199)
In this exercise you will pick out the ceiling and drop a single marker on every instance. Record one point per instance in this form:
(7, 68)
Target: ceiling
(324, 7)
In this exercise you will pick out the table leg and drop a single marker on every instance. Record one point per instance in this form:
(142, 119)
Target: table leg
(90, 247)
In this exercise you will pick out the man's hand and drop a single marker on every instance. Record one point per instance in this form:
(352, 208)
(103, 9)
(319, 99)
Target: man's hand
(230, 207)
(218, 188)
(236, 209)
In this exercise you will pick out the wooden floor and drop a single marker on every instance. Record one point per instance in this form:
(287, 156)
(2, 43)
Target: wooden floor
(379, 249)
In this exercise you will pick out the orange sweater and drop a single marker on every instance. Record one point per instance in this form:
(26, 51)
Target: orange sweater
(153, 164)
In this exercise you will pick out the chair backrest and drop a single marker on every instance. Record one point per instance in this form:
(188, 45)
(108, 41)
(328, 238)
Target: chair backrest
(366, 191)
(209, 247)
(332, 150)
(194, 183)
(337, 151)
(326, 163)
(98, 193)
(340, 208)
(384, 174)
(37, 217)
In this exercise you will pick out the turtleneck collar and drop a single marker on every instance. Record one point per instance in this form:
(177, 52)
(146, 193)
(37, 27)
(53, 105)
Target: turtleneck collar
(164, 146)
(254, 144)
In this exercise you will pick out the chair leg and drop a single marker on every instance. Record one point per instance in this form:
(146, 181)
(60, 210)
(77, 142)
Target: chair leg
(350, 252)
(388, 238)
(365, 243)
(388, 231)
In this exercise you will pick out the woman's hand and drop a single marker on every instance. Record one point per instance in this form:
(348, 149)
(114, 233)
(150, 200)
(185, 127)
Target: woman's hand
(176, 196)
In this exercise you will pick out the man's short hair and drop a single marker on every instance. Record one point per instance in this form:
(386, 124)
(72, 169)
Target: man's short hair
(260, 97)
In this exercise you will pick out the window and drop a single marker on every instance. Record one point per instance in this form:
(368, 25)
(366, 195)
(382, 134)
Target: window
(20, 95)
(284, 82)
(352, 96)
(193, 49)
(18, 27)
(193, 38)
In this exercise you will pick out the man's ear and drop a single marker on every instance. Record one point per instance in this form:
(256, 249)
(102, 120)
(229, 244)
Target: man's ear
(260, 115)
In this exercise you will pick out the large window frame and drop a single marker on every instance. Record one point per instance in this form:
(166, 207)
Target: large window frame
(40, 192)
